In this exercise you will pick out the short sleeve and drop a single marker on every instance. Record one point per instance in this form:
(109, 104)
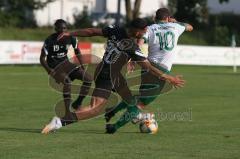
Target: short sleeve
(45, 46)
(137, 55)
(180, 28)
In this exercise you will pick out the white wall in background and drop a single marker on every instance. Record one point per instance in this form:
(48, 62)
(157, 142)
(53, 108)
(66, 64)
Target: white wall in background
(66, 8)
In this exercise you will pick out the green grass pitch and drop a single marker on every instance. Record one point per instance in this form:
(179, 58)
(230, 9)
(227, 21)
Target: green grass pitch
(211, 97)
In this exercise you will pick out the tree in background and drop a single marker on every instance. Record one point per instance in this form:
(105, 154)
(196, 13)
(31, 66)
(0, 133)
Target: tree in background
(193, 11)
(20, 13)
(217, 28)
(132, 13)
(172, 6)
(82, 20)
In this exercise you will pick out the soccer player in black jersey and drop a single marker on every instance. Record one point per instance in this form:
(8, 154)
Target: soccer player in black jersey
(55, 61)
(121, 47)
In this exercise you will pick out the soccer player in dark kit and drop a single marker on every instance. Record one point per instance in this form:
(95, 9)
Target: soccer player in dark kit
(121, 47)
(55, 61)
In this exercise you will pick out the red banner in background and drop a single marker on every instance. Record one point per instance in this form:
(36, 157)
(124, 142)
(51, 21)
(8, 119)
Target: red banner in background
(86, 49)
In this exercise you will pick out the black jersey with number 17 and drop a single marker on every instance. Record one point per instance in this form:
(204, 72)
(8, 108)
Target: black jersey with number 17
(119, 50)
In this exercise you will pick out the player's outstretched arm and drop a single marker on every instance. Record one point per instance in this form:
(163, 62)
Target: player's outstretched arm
(88, 32)
(188, 27)
(177, 80)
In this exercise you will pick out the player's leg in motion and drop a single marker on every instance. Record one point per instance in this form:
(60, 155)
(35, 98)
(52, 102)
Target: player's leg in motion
(69, 117)
(150, 88)
(96, 107)
(87, 79)
(120, 85)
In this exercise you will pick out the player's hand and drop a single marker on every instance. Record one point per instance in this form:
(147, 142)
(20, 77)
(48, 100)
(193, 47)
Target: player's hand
(63, 35)
(131, 66)
(177, 81)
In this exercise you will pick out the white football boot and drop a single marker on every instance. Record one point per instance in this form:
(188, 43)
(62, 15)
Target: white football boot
(54, 124)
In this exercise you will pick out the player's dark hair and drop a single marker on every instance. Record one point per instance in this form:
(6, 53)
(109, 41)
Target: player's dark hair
(162, 14)
(59, 22)
(138, 23)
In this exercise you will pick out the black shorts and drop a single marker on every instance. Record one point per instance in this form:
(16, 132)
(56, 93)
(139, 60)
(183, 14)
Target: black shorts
(103, 88)
(107, 80)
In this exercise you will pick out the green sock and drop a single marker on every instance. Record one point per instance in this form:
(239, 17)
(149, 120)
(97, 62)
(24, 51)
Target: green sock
(132, 112)
(122, 105)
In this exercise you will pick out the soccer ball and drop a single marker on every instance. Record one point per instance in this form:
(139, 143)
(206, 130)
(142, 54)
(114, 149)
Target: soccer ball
(149, 126)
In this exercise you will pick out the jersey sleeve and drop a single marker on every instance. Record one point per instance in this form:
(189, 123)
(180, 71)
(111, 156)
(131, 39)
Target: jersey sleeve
(45, 47)
(137, 55)
(180, 28)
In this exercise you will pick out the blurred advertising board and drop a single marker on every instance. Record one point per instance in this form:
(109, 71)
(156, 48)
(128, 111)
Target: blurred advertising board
(27, 52)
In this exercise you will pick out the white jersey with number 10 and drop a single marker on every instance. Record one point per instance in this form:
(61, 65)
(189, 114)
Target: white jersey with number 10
(162, 40)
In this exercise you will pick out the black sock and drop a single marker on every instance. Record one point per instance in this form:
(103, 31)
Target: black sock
(69, 118)
(78, 102)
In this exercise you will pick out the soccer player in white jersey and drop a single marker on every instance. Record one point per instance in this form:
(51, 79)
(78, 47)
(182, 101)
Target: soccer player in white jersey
(162, 38)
